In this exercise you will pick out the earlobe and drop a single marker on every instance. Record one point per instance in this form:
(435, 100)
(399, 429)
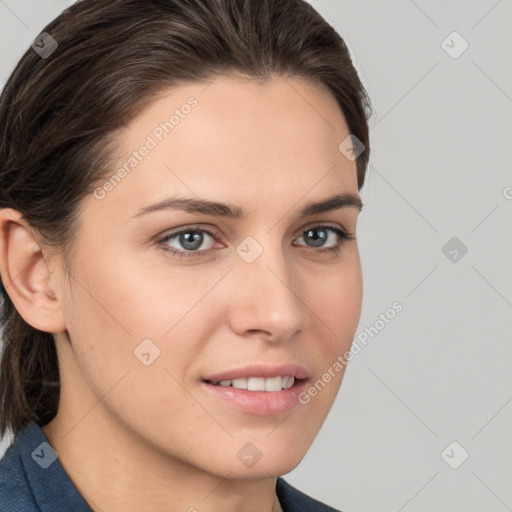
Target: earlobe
(26, 275)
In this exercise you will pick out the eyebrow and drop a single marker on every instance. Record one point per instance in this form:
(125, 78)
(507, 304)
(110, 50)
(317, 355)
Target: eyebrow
(191, 205)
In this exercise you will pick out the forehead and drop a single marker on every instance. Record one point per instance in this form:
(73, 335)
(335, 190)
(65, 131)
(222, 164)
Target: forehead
(235, 137)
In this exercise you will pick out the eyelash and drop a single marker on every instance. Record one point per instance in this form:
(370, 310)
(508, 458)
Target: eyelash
(344, 236)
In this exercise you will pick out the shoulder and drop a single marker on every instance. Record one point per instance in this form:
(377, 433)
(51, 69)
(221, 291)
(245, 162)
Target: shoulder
(293, 500)
(32, 479)
(15, 491)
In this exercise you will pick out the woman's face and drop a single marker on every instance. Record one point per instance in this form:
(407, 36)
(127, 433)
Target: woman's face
(259, 293)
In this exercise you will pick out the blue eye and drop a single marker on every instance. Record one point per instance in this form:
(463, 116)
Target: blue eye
(319, 235)
(191, 239)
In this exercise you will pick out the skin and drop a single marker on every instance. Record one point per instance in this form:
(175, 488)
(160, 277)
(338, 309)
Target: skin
(135, 437)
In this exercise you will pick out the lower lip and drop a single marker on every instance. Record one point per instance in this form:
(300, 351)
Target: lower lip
(259, 402)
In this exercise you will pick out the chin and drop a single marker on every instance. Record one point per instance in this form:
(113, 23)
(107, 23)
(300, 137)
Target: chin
(263, 470)
(271, 461)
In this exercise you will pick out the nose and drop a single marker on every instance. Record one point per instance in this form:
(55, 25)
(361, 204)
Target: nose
(266, 297)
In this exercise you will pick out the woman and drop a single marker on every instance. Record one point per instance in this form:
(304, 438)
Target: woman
(179, 199)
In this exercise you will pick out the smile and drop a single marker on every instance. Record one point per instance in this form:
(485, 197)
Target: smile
(259, 383)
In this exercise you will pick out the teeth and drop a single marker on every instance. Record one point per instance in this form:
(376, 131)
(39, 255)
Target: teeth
(256, 384)
(239, 383)
(288, 382)
(260, 383)
(273, 384)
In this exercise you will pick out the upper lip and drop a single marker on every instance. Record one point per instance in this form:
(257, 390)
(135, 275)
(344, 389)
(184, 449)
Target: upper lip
(260, 370)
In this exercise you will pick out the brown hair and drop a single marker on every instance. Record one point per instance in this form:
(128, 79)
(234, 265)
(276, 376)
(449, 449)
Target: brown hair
(59, 116)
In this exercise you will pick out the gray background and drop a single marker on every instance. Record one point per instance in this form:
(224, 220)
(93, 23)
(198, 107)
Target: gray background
(438, 372)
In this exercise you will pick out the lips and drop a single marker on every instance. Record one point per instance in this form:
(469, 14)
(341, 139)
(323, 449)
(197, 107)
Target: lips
(257, 402)
(257, 388)
(259, 371)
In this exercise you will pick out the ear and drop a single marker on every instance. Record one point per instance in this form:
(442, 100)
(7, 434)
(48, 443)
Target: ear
(26, 275)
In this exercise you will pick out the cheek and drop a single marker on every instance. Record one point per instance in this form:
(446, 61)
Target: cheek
(335, 298)
(136, 381)
(345, 309)
(124, 319)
